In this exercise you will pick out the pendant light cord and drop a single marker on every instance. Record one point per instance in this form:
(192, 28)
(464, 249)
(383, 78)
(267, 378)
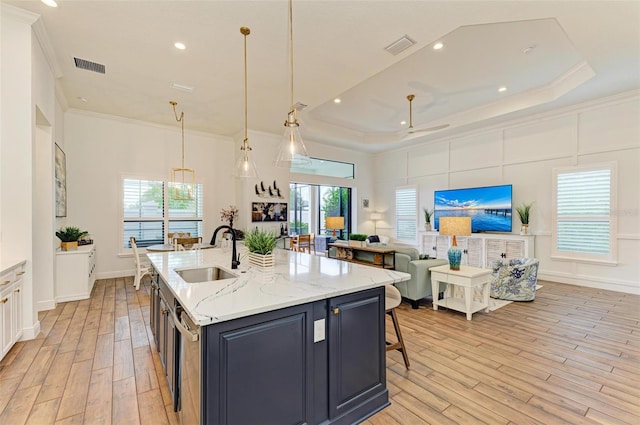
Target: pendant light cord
(181, 121)
(245, 31)
(291, 51)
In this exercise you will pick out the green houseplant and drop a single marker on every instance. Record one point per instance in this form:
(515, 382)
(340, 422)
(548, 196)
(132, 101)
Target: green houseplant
(261, 244)
(357, 239)
(69, 237)
(523, 213)
(427, 218)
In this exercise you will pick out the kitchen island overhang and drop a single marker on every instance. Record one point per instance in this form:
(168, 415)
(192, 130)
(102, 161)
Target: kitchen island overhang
(303, 342)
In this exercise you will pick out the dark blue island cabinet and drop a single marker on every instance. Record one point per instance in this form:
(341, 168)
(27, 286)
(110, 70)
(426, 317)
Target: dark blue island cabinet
(316, 363)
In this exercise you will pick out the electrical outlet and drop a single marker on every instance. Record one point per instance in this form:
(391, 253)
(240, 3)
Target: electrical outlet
(318, 330)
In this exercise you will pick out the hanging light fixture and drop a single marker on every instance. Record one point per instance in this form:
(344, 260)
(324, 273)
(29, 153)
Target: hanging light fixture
(246, 167)
(292, 150)
(183, 180)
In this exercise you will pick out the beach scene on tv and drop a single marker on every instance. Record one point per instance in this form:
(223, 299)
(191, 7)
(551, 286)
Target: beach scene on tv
(488, 207)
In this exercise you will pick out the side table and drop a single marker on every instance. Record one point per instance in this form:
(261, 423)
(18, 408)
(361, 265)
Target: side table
(468, 278)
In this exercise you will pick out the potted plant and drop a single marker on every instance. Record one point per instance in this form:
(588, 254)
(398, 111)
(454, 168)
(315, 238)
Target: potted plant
(261, 244)
(357, 239)
(427, 219)
(69, 237)
(523, 212)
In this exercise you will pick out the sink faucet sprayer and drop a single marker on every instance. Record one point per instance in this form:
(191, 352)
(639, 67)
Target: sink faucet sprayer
(235, 258)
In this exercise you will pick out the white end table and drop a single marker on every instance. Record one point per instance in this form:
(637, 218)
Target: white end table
(468, 278)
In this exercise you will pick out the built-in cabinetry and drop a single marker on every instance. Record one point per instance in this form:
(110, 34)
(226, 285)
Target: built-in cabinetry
(480, 249)
(75, 273)
(11, 283)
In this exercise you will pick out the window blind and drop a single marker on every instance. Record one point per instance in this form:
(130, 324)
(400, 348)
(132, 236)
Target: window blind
(406, 214)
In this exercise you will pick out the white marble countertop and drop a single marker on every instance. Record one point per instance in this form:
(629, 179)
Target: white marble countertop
(297, 278)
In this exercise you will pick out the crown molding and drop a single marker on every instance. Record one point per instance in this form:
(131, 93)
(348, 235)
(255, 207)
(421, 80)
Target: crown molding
(43, 39)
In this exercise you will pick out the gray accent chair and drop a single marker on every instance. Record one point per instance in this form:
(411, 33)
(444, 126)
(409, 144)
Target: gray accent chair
(419, 286)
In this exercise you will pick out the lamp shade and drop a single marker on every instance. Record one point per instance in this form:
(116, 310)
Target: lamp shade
(455, 226)
(376, 216)
(334, 223)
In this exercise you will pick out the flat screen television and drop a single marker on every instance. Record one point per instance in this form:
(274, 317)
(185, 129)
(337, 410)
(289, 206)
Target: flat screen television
(489, 207)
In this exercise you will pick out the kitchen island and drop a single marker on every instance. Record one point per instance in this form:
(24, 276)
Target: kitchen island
(303, 342)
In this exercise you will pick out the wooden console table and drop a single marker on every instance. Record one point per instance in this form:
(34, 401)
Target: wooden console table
(370, 256)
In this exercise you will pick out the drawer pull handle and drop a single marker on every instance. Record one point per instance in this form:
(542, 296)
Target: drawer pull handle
(4, 300)
(5, 282)
(20, 273)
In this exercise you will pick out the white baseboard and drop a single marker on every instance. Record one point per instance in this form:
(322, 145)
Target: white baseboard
(115, 274)
(30, 333)
(45, 305)
(590, 282)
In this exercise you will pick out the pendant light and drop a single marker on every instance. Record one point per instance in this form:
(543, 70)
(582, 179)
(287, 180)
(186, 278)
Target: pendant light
(246, 167)
(292, 150)
(183, 180)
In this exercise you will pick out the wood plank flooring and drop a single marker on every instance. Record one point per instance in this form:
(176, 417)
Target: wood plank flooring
(572, 356)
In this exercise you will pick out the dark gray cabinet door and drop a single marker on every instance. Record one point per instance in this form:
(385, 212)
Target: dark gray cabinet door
(356, 353)
(259, 369)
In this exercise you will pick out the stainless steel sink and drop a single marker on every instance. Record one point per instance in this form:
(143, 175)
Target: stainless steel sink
(204, 274)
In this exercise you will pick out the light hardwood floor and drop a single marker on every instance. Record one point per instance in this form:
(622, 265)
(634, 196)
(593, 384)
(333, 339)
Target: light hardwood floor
(570, 357)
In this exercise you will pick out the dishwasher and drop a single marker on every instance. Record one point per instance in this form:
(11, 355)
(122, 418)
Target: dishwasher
(189, 372)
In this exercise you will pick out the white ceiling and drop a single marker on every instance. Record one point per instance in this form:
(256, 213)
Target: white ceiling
(581, 50)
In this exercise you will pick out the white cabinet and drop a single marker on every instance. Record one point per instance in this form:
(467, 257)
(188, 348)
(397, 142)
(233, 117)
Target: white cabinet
(479, 249)
(11, 306)
(75, 273)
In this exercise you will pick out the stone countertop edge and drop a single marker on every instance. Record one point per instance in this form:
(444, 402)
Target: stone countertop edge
(297, 278)
(6, 265)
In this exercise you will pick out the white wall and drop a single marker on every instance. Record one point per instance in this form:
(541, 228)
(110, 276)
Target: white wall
(101, 149)
(523, 154)
(17, 116)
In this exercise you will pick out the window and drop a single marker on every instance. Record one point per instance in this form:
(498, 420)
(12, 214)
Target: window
(310, 204)
(148, 213)
(406, 214)
(584, 226)
(326, 167)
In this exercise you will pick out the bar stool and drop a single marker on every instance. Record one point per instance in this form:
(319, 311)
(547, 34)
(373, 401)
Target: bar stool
(392, 299)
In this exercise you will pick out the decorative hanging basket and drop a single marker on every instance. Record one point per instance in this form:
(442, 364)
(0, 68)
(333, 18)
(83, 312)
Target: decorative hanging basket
(262, 261)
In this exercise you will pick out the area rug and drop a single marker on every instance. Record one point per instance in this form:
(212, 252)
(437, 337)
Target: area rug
(495, 304)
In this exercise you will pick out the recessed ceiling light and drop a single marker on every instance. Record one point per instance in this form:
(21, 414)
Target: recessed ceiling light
(403, 122)
(50, 3)
(180, 46)
(502, 89)
(438, 46)
(337, 100)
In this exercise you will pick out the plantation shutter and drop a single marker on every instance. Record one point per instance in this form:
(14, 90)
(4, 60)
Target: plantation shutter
(406, 214)
(143, 211)
(583, 218)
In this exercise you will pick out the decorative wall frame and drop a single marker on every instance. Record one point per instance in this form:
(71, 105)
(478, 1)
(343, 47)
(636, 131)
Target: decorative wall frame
(268, 212)
(365, 203)
(61, 182)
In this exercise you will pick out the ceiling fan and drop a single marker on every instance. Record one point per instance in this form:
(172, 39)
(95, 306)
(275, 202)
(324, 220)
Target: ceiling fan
(412, 130)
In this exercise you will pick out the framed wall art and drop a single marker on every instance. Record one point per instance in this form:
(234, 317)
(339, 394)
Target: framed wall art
(61, 182)
(268, 211)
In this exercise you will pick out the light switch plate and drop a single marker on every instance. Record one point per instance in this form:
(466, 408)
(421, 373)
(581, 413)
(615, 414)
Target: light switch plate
(318, 330)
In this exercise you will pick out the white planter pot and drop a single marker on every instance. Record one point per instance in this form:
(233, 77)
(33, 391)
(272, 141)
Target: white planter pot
(524, 229)
(358, 244)
(262, 261)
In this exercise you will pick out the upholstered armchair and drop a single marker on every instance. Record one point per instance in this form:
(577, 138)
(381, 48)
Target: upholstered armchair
(419, 286)
(514, 279)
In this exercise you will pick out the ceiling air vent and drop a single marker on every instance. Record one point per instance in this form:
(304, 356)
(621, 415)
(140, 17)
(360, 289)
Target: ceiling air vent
(400, 45)
(89, 66)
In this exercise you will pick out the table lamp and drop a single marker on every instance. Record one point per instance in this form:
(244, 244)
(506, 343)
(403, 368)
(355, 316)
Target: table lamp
(452, 226)
(375, 217)
(334, 223)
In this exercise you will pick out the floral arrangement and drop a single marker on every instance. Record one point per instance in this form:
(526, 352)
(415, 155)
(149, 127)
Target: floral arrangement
(229, 214)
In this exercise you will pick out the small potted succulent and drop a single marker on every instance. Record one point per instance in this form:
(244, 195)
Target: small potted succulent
(427, 219)
(69, 237)
(261, 244)
(357, 239)
(523, 213)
